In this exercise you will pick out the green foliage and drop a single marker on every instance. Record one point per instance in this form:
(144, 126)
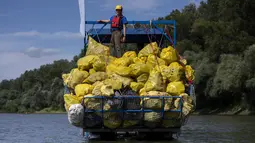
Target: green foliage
(219, 45)
(229, 76)
(217, 39)
(36, 89)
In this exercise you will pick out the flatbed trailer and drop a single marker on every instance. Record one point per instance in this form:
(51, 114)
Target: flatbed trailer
(138, 34)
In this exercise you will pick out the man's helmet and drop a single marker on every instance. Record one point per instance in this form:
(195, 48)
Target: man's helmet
(118, 7)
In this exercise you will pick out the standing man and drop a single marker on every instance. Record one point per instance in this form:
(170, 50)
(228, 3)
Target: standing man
(118, 23)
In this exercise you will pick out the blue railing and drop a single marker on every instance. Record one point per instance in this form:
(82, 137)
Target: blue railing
(140, 97)
(96, 32)
(140, 112)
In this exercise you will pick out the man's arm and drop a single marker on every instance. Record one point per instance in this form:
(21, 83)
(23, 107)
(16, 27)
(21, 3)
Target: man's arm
(104, 21)
(124, 30)
(125, 22)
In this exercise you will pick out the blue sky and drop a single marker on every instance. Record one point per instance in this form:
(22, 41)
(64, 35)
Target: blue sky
(37, 32)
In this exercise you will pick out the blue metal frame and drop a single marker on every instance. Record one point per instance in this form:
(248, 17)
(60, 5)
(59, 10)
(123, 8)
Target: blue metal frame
(154, 23)
(142, 110)
(141, 97)
(173, 22)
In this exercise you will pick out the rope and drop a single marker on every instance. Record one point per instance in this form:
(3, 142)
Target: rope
(96, 32)
(104, 38)
(161, 40)
(190, 82)
(156, 58)
(152, 36)
(168, 34)
(108, 52)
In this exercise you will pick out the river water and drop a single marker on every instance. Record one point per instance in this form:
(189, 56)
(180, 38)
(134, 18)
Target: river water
(54, 128)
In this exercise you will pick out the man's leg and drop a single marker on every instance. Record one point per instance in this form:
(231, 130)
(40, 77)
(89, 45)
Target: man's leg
(117, 38)
(112, 45)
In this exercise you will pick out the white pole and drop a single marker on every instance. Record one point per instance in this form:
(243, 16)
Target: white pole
(82, 16)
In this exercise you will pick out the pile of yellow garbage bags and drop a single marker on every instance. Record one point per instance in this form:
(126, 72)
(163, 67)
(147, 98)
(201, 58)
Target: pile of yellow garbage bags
(151, 72)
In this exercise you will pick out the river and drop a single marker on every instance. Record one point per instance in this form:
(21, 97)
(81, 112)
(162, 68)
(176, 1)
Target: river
(54, 128)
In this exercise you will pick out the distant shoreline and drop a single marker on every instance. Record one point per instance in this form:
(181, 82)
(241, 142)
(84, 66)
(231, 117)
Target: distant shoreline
(32, 113)
(37, 112)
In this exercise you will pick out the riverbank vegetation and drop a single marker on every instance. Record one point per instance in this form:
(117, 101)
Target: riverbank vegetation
(217, 39)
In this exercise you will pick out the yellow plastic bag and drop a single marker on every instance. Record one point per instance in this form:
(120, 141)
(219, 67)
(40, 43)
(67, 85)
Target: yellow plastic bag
(152, 119)
(97, 88)
(107, 90)
(129, 123)
(83, 89)
(124, 80)
(177, 72)
(116, 84)
(120, 70)
(91, 71)
(140, 60)
(165, 71)
(111, 59)
(100, 89)
(157, 103)
(136, 86)
(76, 77)
(187, 107)
(99, 65)
(70, 100)
(151, 48)
(95, 48)
(85, 63)
(173, 119)
(153, 61)
(94, 103)
(185, 97)
(175, 88)
(155, 82)
(98, 76)
(66, 78)
(142, 92)
(123, 61)
(189, 73)
(130, 54)
(184, 61)
(169, 55)
(138, 69)
(142, 78)
(112, 120)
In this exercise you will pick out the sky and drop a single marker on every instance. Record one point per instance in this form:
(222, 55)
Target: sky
(37, 32)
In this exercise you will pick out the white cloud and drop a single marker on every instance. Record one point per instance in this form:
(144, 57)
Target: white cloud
(40, 52)
(55, 35)
(21, 51)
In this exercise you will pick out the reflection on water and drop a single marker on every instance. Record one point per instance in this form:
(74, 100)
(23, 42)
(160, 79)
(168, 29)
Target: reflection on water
(54, 128)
